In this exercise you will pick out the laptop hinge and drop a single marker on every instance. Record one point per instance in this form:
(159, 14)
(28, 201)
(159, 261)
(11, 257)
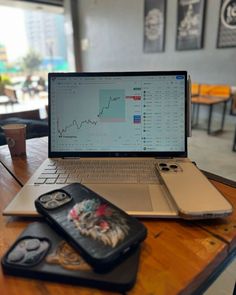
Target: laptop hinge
(164, 157)
(70, 158)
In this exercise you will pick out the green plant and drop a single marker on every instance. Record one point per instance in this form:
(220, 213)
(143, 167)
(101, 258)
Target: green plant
(5, 79)
(31, 62)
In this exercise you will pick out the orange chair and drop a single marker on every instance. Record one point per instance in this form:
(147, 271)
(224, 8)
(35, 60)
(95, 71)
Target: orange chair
(195, 89)
(215, 90)
(210, 95)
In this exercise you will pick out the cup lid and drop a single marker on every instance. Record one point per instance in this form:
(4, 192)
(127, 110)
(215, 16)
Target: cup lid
(13, 126)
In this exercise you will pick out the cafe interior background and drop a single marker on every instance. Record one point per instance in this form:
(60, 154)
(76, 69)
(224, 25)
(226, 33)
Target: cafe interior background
(38, 37)
(135, 35)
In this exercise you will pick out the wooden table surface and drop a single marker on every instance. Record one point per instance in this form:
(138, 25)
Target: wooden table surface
(178, 257)
(208, 100)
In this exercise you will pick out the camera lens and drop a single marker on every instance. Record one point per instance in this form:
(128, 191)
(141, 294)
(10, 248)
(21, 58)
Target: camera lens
(173, 166)
(52, 205)
(16, 255)
(46, 198)
(32, 244)
(60, 196)
(162, 164)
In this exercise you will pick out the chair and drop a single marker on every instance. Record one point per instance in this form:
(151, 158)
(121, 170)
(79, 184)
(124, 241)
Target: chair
(210, 95)
(4, 100)
(195, 89)
(32, 115)
(9, 97)
(10, 92)
(215, 90)
(35, 126)
(234, 150)
(233, 101)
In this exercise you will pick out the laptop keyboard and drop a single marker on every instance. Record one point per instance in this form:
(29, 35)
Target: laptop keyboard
(99, 171)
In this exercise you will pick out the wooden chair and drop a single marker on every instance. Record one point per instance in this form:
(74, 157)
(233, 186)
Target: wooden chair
(32, 115)
(10, 92)
(9, 97)
(4, 100)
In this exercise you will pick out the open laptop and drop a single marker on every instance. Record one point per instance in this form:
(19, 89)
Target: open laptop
(124, 135)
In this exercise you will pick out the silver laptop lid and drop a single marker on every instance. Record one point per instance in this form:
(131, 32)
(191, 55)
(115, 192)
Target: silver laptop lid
(118, 114)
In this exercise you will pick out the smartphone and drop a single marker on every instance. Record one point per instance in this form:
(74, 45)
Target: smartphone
(100, 231)
(194, 196)
(40, 253)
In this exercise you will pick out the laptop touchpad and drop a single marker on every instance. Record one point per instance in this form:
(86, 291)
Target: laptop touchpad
(129, 197)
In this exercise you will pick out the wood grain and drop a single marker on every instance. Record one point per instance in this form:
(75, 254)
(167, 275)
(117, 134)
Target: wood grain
(208, 100)
(224, 228)
(24, 166)
(177, 257)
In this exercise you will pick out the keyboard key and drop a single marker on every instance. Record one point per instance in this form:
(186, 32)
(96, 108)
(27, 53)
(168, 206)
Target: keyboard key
(61, 180)
(44, 175)
(73, 179)
(50, 181)
(40, 181)
(50, 168)
(100, 171)
(63, 175)
(50, 171)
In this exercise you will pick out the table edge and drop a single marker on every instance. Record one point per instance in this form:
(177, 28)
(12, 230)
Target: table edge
(215, 274)
(218, 178)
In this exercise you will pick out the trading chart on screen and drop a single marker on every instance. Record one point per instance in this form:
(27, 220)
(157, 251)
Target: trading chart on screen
(117, 113)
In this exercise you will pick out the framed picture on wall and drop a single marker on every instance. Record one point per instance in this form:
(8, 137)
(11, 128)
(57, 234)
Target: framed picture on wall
(190, 24)
(227, 24)
(154, 25)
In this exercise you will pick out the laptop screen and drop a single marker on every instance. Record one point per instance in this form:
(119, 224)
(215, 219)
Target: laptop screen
(117, 114)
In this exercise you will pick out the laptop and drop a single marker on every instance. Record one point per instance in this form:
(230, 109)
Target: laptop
(124, 135)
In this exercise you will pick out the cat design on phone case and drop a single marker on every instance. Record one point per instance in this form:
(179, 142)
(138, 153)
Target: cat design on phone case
(99, 221)
(67, 257)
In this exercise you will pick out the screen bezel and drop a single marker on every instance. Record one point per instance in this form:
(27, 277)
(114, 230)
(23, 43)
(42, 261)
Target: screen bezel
(78, 154)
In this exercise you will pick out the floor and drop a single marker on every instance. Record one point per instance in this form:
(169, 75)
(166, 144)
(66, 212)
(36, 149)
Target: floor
(214, 153)
(224, 285)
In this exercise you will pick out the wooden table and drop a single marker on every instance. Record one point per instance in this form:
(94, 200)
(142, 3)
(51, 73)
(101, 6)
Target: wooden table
(210, 102)
(178, 257)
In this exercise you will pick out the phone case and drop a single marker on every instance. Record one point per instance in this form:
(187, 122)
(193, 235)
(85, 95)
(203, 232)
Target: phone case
(41, 253)
(102, 232)
(191, 192)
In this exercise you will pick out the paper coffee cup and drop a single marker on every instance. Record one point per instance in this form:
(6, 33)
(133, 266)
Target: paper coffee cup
(15, 136)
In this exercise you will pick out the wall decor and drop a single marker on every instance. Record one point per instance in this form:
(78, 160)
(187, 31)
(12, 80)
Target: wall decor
(227, 24)
(190, 24)
(154, 25)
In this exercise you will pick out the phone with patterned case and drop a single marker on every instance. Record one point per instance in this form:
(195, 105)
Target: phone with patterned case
(102, 232)
(40, 253)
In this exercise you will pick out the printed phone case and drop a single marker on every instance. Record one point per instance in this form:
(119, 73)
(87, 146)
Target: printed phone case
(41, 253)
(102, 232)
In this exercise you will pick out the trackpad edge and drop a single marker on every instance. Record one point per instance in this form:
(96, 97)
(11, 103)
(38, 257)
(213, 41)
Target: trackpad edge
(129, 197)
